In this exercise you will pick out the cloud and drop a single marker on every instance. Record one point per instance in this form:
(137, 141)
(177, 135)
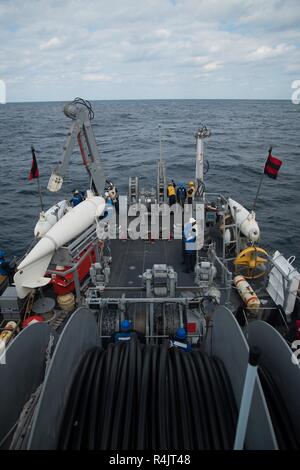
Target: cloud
(162, 33)
(52, 43)
(199, 59)
(212, 66)
(273, 15)
(96, 77)
(152, 49)
(267, 52)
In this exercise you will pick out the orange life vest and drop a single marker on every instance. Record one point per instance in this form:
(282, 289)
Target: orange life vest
(190, 192)
(171, 190)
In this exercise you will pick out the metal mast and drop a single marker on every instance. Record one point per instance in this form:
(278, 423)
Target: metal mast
(201, 134)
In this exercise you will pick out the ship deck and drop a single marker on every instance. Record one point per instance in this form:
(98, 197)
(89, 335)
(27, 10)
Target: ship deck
(131, 258)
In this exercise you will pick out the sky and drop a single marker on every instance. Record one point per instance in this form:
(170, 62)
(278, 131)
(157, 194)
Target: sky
(149, 49)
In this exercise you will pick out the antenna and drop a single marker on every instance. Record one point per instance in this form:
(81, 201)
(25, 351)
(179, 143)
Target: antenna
(160, 143)
(161, 173)
(201, 134)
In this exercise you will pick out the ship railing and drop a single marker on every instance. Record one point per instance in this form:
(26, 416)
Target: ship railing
(82, 242)
(172, 310)
(207, 196)
(224, 275)
(261, 313)
(92, 245)
(162, 336)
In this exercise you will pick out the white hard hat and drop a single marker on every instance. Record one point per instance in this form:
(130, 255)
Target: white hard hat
(192, 220)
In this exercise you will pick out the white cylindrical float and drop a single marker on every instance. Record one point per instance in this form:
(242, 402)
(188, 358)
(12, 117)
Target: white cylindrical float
(31, 270)
(244, 220)
(51, 217)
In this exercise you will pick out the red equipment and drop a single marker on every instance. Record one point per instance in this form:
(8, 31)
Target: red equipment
(64, 284)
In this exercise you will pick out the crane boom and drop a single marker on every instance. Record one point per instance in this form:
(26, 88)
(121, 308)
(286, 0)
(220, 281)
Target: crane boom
(81, 113)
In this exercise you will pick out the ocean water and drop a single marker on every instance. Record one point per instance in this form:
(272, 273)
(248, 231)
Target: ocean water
(128, 140)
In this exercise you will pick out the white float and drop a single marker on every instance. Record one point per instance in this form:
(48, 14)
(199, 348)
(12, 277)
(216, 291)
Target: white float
(50, 217)
(31, 270)
(245, 220)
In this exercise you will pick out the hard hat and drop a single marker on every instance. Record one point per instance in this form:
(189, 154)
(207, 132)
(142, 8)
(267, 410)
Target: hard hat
(191, 183)
(192, 220)
(125, 324)
(180, 184)
(2, 254)
(181, 333)
(76, 192)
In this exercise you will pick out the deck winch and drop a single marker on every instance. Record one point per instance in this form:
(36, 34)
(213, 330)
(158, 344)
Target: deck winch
(160, 281)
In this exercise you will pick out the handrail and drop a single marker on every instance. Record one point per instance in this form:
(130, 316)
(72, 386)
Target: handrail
(74, 267)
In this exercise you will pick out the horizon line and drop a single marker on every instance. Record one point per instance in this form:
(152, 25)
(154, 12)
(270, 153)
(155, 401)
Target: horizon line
(150, 99)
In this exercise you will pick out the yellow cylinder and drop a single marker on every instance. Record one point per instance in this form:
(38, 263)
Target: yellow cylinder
(66, 301)
(7, 333)
(246, 292)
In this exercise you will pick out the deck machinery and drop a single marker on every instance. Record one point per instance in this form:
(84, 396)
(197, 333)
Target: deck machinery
(65, 382)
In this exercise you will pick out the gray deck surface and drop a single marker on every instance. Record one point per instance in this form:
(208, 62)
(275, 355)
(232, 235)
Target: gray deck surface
(131, 258)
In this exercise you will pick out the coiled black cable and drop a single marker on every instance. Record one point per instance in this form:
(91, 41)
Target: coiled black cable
(92, 416)
(132, 396)
(283, 427)
(74, 398)
(118, 418)
(143, 400)
(80, 431)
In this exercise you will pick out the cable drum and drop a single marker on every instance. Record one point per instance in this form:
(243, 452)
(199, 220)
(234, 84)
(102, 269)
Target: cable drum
(132, 396)
(286, 435)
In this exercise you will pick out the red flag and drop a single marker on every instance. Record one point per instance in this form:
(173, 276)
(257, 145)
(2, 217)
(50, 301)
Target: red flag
(272, 165)
(34, 172)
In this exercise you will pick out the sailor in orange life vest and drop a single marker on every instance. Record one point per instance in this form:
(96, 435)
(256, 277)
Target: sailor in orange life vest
(171, 193)
(190, 192)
